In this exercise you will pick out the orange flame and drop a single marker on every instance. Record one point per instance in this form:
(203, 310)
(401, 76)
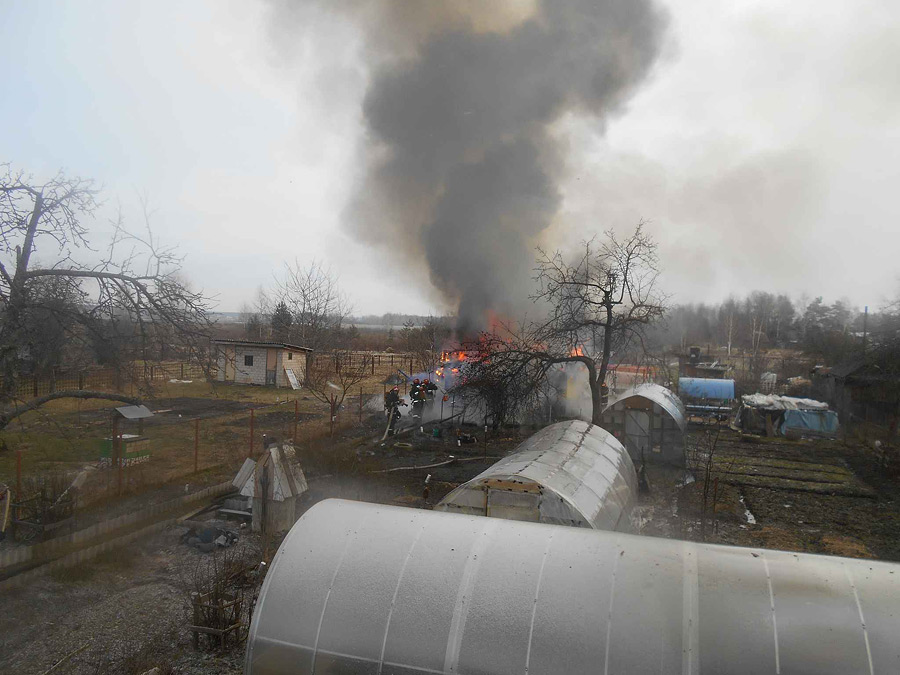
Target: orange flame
(576, 351)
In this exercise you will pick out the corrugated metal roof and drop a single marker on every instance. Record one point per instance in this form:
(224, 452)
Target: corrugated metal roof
(664, 398)
(134, 412)
(366, 588)
(260, 343)
(580, 463)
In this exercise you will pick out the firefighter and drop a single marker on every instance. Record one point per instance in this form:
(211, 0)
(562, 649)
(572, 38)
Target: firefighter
(417, 396)
(392, 398)
(392, 403)
(413, 388)
(429, 388)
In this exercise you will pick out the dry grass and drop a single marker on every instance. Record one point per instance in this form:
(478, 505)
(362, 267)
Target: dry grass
(51, 440)
(845, 546)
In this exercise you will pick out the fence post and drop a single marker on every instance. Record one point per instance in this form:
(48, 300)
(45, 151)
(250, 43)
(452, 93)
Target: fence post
(373, 365)
(333, 400)
(296, 415)
(117, 452)
(35, 386)
(250, 451)
(18, 479)
(360, 405)
(182, 371)
(196, 443)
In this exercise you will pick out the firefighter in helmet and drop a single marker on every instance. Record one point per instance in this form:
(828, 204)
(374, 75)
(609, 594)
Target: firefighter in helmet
(429, 388)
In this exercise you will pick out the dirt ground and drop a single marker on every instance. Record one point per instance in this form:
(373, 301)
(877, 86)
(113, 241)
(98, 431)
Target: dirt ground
(130, 609)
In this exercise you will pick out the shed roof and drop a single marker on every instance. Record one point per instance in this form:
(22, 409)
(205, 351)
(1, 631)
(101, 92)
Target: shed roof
(583, 464)
(663, 397)
(367, 588)
(260, 343)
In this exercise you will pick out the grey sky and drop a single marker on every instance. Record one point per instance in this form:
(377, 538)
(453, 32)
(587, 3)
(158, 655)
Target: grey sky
(762, 148)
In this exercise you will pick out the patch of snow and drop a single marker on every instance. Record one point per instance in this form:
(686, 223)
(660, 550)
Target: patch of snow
(751, 519)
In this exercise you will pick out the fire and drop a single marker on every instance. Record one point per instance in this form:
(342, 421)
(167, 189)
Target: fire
(576, 351)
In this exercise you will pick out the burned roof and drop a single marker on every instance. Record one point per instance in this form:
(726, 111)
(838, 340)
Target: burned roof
(260, 343)
(658, 394)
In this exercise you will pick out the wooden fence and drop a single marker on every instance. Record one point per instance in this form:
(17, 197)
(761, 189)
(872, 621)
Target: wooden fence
(48, 550)
(106, 379)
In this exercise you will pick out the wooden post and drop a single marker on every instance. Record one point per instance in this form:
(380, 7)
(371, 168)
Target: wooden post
(333, 401)
(360, 405)
(18, 480)
(373, 365)
(250, 450)
(117, 452)
(296, 415)
(195, 602)
(35, 386)
(196, 443)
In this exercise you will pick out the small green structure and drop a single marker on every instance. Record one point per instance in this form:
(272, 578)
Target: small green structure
(135, 450)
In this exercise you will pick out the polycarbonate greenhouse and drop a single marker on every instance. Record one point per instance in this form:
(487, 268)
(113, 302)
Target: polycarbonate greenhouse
(650, 421)
(367, 589)
(569, 473)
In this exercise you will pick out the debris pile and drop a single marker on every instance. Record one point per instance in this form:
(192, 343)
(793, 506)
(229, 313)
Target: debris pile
(208, 539)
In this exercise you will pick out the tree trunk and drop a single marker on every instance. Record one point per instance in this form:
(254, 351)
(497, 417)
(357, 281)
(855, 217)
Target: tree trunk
(596, 394)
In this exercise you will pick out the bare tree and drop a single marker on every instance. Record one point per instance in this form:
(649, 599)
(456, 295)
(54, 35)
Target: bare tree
(317, 305)
(127, 301)
(330, 378)
(602, 302)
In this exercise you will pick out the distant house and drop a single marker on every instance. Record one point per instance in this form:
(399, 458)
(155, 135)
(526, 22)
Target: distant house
(274, 364)
(860, 390)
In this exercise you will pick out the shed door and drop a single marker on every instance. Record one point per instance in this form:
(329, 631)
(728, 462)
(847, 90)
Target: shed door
(271, 364)
(637, 431)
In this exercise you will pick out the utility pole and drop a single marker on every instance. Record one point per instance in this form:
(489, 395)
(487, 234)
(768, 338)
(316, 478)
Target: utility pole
(865, 329)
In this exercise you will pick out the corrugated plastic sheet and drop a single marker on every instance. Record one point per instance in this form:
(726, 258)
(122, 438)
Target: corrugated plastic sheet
(370, 589)
(585, 473)
(664, 398)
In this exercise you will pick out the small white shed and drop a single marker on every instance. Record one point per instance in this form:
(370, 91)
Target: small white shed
(276, 364)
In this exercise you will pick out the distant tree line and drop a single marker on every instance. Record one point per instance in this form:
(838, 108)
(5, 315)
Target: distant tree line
(762, 321)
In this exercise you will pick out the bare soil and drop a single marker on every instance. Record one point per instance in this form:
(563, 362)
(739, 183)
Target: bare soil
(134, 604)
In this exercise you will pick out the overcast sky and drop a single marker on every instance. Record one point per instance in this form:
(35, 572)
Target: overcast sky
(762, 148)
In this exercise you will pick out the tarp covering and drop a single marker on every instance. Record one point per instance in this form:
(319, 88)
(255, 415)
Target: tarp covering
(569, 473)
(817, 422)
(706, 388)
(368, 589)
(658, 394)
(773, 402)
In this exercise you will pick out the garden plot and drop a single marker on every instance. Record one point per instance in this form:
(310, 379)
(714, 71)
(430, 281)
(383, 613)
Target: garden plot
(804, 467)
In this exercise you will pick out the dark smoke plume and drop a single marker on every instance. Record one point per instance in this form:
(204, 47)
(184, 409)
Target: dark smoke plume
(463, 164)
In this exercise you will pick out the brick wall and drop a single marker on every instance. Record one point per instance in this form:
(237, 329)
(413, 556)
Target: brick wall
(255, 374)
